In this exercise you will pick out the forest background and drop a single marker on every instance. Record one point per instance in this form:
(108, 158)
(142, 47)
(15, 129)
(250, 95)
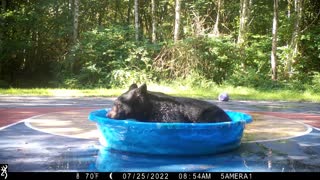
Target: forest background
(266, 45)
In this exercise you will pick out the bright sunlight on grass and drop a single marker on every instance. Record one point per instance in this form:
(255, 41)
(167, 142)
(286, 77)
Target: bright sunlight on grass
(236, 93)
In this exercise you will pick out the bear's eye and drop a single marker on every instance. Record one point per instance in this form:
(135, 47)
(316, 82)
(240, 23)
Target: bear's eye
(120, 105)
(121, 99)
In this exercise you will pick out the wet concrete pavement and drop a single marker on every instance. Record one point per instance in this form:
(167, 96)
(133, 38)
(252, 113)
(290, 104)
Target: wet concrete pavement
(53, 134)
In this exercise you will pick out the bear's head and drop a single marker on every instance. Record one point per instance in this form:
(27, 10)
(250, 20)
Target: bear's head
(133, 104)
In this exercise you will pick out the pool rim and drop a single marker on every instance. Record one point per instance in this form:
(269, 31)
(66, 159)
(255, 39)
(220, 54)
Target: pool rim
(94, 117)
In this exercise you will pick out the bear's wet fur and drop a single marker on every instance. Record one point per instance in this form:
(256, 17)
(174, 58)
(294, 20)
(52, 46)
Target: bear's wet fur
(147, 106)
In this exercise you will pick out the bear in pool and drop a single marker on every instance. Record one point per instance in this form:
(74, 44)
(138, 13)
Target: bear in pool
(147, 106)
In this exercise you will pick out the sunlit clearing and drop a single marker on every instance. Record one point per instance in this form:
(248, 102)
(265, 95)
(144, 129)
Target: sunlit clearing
(65, 92)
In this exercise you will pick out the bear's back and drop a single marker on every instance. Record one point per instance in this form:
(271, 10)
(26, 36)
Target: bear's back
(180, 109)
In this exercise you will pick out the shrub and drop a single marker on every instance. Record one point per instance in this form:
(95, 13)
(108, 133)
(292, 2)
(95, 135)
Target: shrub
(210, 58)
(4, 84)
(107, 57)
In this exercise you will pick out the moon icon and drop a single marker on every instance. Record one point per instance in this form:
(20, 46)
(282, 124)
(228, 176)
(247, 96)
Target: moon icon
(110, 176)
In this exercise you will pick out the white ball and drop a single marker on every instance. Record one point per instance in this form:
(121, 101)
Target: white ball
(223, 96)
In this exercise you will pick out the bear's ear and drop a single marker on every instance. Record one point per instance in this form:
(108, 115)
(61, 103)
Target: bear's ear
(142, 89)
(133, 86)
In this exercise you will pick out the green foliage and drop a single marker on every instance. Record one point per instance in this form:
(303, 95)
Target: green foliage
(249, 78)
(210, 58)
(124, 77)
(310, 51)
(257, 54)
(261, 17)
(108, 57)
(71, 83)
(4, 84)
(34, 37)
(36, 47)
(253, 67)
(315, 83)
(191, 81)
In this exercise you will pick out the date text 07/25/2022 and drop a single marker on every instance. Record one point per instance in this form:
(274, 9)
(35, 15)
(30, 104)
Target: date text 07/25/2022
(185, 176)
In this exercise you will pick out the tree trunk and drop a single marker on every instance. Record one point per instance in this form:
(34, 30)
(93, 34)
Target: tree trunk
(136, 19)
(154, 23)
(197, 24)
(145, 25)
(243, 26)
(274, 40)
(294, 44)
(176, 21)
(129, 12)
(289, 8)
(243, 29)
(296, 33)
(216, 24)
(75, 21)
(288, 56)
(4, 5)
(116, 10)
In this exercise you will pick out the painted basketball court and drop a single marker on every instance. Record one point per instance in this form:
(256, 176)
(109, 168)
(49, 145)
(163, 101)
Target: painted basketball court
(54, 134)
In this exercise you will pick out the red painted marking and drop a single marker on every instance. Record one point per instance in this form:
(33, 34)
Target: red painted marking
(311, 119)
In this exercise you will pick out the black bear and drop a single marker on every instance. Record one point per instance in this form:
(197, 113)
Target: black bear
(147, 106)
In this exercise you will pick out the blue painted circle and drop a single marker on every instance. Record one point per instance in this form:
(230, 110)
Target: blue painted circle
(170, 138)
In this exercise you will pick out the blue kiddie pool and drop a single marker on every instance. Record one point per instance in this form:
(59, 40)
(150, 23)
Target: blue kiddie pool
(170, 138)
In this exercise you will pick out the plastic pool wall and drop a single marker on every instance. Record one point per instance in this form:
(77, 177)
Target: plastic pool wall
(170, 138)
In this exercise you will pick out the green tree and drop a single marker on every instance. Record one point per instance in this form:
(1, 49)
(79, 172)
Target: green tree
(154, 21)
(176, 21)
(274, 40)
(245, 6)
(75, 21)
(136, 19)
(216, 24)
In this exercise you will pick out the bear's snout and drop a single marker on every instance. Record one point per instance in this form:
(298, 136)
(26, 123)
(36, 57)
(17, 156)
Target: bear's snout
(112, 113)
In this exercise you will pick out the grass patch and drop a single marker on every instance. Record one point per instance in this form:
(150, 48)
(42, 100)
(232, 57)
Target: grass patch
(236, 93)
(61, 92)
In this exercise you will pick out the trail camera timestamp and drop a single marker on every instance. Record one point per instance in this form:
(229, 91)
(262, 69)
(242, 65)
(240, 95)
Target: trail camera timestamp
(194, 176)
(220, 176)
